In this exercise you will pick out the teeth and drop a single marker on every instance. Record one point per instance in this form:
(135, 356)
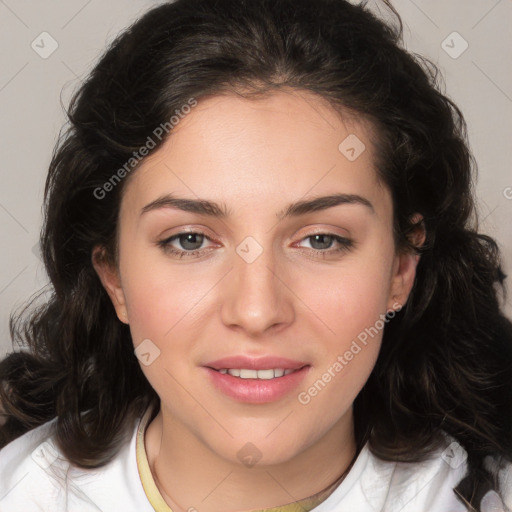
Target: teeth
(244, 373)
(247, 374)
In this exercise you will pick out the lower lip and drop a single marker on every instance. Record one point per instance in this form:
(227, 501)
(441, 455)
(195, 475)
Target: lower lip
(256, 391)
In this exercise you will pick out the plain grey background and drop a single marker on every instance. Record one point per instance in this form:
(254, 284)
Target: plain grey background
(48, 47)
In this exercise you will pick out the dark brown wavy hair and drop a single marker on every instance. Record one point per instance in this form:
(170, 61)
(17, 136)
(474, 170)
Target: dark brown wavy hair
(446, 358)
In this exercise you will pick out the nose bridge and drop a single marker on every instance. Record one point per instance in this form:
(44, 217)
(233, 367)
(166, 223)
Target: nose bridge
(257, 299)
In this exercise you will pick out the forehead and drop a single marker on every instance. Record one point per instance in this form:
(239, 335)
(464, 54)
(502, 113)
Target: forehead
(286, 143)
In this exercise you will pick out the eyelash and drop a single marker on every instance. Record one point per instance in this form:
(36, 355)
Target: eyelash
(344, 245)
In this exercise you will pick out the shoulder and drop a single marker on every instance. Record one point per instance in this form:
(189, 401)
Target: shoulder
(35, 475)
(424, 485)
(376, 484)
(23, 465)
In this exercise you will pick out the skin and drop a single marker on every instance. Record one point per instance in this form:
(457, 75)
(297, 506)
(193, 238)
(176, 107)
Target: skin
(256, 157)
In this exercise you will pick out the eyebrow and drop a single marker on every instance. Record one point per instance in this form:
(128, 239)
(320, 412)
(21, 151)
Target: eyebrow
(212, 209)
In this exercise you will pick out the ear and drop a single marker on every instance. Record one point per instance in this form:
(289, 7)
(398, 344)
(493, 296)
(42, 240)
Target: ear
(110, 279)
(404, 269)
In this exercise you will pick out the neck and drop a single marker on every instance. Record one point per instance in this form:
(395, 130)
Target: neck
(190, 475)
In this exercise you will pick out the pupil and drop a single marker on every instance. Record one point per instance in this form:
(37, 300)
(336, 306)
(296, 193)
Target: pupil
(189, 239)
(324, 245)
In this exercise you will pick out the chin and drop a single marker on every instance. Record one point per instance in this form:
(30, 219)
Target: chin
(260, 450)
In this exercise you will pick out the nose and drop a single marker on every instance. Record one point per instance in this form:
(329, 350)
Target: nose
(257, 297)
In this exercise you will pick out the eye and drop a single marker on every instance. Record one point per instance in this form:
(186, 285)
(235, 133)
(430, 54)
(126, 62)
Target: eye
(191, 244)
(190, 241)
(322, 243)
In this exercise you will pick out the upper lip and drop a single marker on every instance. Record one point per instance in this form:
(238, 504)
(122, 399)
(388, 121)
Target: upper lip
(252, 363)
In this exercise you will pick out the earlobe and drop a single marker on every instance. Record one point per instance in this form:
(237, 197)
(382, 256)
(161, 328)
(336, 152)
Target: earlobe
(110, 279)
(403, 279)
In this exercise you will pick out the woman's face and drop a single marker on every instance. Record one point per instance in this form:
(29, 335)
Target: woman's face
(267, 273)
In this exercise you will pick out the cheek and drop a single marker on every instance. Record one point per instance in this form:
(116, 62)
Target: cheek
(164, 307)
(352, 296)
(158, 300)
(350, 303)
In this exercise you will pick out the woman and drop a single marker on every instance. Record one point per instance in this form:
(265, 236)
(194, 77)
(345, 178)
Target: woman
(268, 288)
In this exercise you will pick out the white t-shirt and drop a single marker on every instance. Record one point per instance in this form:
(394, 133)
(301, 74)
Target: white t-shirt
(35, 476)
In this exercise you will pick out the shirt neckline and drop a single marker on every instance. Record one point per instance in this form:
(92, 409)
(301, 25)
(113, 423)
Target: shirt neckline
(159, 504)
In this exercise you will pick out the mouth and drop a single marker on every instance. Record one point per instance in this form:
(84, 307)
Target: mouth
(256, 381)
(266, 374)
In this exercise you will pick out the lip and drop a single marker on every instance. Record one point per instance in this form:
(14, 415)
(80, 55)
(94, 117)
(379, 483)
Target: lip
(256, 391)
(252, 363)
